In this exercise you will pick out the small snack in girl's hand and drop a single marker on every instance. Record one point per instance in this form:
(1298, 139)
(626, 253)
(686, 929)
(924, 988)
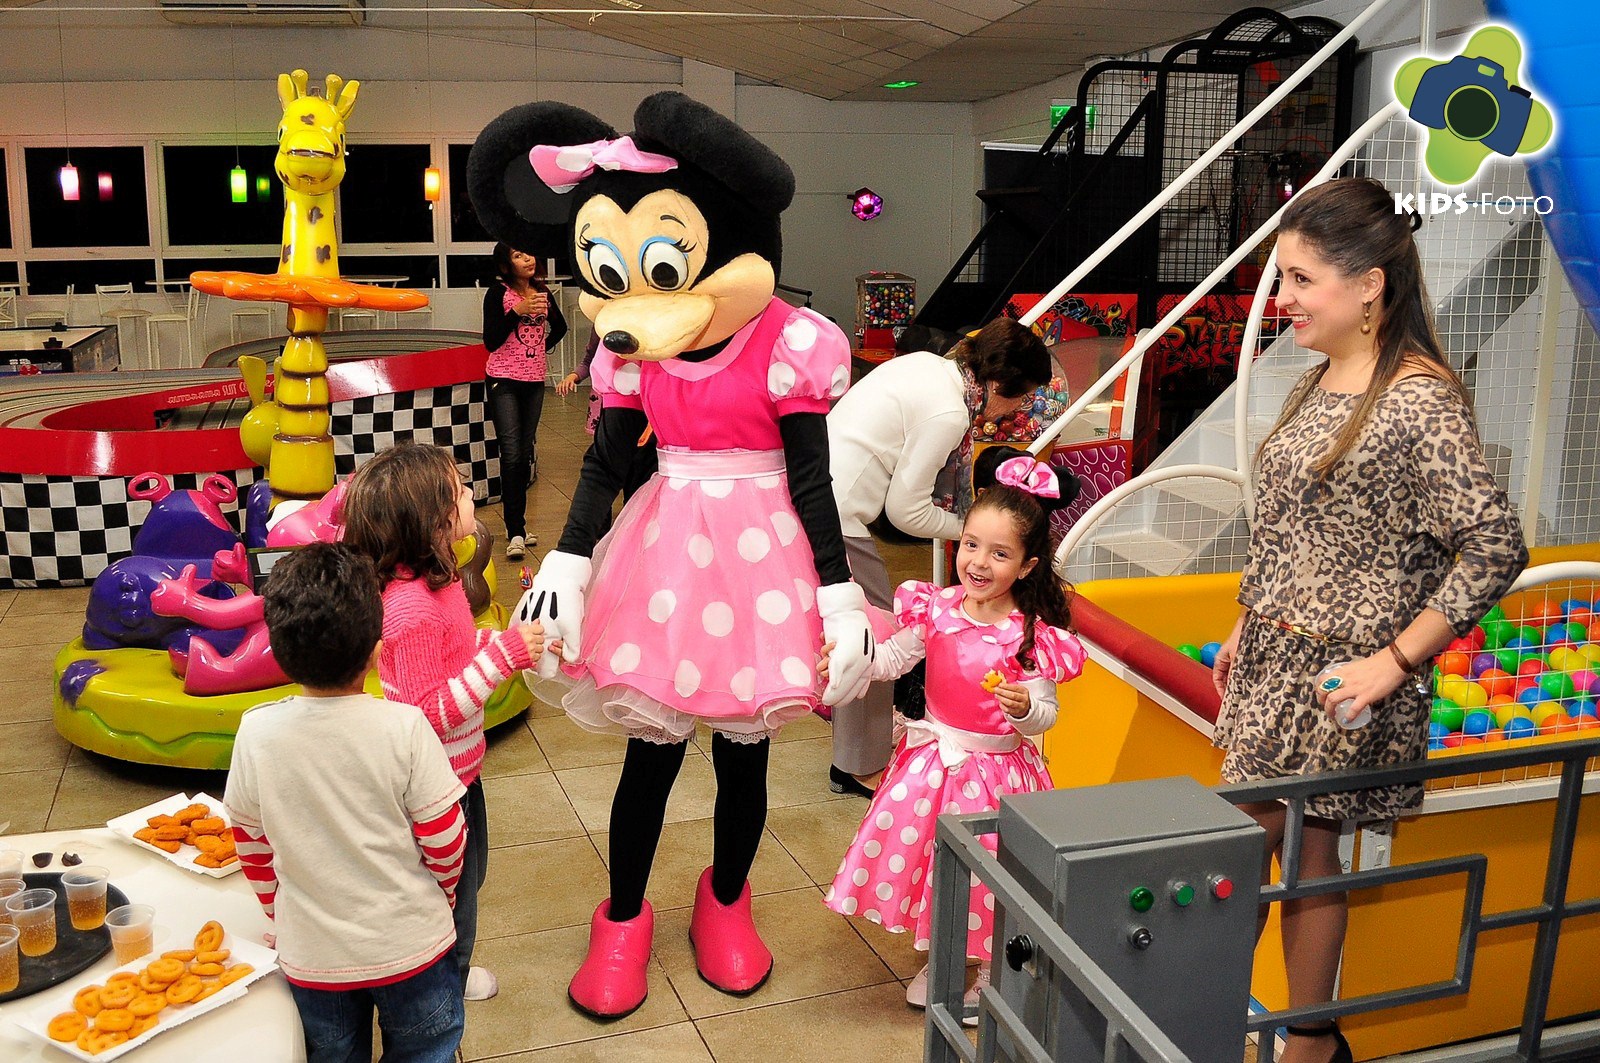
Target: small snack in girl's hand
(991, 680)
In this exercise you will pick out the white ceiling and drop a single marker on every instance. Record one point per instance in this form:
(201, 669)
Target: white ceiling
(959, 50)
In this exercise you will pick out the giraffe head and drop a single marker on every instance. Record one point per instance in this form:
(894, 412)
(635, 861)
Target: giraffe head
(311, 134)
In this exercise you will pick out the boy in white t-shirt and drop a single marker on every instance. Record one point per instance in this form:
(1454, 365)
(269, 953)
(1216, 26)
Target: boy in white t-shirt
(345, 811)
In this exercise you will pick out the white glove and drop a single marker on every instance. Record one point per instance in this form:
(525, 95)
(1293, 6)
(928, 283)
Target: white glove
(555, 599)
(844, 623)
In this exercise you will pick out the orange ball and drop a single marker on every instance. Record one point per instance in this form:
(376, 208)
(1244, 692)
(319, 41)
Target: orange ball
(1498, 683)
(1454, 662)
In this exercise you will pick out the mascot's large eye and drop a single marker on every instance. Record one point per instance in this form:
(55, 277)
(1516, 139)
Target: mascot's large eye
(606, 266)
(664, 263)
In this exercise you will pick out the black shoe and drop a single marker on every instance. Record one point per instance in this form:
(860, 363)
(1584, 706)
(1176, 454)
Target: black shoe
(842, 782)
(1341, 1052)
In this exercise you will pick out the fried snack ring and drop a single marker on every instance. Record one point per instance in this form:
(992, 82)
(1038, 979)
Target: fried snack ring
(193, 812)
(234, 973)
(209, 825)
(66, 1026)
(991, 680)
(214, 956)
(119, 994)
(184, 989)
(143, 1026)
(181, 955)
(211, 989)
(206, 970)
(121, 976)
(209, 938)
(85, 1001)
(114, 1020)
(146, 1004)
(164, 971)
(148, 983)
(96, 1041)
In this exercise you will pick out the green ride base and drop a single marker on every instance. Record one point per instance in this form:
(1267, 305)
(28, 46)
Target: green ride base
(136, 709)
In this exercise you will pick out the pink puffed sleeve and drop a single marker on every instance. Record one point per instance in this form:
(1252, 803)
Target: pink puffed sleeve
(615, 380)
(1057, 654)
(810, 365)
(913, 605)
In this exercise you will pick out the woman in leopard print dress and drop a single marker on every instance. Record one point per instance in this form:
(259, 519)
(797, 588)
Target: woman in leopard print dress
(1380, 535)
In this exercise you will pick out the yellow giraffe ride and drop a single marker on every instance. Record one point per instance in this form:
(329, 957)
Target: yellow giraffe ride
(310, 164)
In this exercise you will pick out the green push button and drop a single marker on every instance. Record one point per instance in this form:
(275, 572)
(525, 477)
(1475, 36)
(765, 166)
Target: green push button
(1182, 894)
(1142, 899)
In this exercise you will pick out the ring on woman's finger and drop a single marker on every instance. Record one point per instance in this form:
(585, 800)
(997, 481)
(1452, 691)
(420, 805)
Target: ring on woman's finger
(1332, 683)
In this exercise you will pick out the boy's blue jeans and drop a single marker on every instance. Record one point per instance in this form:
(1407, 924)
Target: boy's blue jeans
(422, 1018)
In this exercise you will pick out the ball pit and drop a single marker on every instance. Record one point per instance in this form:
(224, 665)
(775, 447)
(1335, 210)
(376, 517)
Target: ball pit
(1510, 678)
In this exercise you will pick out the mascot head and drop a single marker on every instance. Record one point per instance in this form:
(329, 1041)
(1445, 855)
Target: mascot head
(673, 228)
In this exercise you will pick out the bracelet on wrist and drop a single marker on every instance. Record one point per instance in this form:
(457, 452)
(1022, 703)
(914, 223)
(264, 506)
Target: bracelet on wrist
(1401, 659)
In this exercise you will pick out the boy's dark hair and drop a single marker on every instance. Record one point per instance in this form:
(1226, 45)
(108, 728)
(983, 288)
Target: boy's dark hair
(324, 614)
(1009, 354)
(399, 509)
(917, 337)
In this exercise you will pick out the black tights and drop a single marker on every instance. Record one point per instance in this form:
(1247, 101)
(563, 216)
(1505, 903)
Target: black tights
(640, 806)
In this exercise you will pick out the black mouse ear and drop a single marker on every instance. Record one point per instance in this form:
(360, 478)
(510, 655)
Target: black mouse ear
(985, 465)
(693, 133)
(513, 204)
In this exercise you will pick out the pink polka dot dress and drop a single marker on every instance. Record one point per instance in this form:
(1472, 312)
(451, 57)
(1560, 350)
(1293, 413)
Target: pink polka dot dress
(703, 604)
(962, 758)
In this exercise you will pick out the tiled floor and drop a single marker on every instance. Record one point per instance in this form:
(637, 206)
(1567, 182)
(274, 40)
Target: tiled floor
(836, 993)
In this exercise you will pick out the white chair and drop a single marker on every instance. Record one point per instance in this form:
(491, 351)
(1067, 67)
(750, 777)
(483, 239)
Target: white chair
(114, 302)
(48, 318)
(153, 325)
(349, 317)
(241, 313)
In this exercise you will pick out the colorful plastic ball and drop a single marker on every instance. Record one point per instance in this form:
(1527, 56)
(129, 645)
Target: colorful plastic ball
(1583, 707)
(1454, 662)
(1521, 727)
(1566, 659)
(1495, 613)
(1564, 632)
(1460, 645)
(1477, 724)
(1586, 680)
(1558, 685)
(1531, 695)
(1571, 604)
(1509, 659)
(1484, 662)
(1534, 635)
(1586, 723)
(1584, 616)
(1497, 683)
(1504, 714)
(1436, 733)
(1591, 651)
(1497, 735)
(1520, 643)
(1208, 653)
(1547, 710)
(1452, 688)
(1475, 637)
(1474, 696)
(1530, 667)
(1446, 715)
(1452, 741)
(1190, 651)
(1496, 633)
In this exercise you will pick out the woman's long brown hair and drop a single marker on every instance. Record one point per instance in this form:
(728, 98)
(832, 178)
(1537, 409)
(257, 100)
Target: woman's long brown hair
(1352, 223)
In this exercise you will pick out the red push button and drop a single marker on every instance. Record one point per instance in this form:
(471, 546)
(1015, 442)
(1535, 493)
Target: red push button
(1221, 887)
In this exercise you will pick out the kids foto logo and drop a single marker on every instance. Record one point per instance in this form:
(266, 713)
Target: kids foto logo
(1472, 105)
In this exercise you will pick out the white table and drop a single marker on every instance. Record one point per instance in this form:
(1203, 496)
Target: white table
(263, 1026)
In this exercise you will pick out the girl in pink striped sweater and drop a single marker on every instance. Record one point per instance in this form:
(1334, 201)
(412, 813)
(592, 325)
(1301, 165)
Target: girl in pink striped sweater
(404, 509)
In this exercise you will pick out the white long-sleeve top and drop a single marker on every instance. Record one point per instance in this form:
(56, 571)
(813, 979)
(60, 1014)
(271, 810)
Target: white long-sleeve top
(889, 437)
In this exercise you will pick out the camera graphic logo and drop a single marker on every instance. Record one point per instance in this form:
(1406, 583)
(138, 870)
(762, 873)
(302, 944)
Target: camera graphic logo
(1472, 105)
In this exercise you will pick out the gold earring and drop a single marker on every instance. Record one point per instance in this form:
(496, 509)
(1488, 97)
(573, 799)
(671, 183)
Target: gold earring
(1366, 317)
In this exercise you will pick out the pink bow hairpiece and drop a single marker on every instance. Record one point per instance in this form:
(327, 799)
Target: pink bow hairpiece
(562, 166)
(1030, 475)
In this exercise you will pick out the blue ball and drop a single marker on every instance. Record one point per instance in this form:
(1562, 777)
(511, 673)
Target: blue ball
(1520, 727)
(1208, 653)
(1583, 707)
(1520, 644)
(1477, 724)
(1573, 603)
(1532, 696)
(1436, 733)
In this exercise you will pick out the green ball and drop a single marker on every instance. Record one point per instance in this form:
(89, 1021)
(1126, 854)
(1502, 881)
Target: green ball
(1558, 685)
(1448, 713)
(1509, 659)
(1496, 633)
(1190, 651)
(1532, 634)
(1496, 613)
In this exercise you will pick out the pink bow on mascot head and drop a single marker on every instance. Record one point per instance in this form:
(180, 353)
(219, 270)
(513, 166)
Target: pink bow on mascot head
(562, 166)
(1030, 475)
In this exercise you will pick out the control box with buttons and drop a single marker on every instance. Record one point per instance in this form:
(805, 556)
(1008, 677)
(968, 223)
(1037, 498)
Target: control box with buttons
(1158, 882)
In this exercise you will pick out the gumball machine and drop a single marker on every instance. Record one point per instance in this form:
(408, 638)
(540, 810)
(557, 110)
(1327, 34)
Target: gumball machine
(884, 302)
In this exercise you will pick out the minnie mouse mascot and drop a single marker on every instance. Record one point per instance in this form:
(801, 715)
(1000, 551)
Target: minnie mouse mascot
(709, 597)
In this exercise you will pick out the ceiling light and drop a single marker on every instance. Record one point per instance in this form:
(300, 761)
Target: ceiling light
(901, 84)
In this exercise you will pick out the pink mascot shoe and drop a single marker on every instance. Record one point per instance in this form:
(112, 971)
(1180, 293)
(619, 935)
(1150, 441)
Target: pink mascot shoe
(727, 949)
(611, 982)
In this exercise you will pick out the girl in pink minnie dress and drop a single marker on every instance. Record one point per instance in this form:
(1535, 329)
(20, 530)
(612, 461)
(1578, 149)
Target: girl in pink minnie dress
(996, 647)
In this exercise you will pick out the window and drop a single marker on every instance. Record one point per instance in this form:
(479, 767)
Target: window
(468, 271)
(419, 271)
(5, 207)
(464, 224)
(51, 277)
(380, 199)
(200, 203)
(110, 208)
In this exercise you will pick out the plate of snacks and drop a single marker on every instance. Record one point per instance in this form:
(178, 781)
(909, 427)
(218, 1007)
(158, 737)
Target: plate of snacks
(191, 832)
(101, 1018)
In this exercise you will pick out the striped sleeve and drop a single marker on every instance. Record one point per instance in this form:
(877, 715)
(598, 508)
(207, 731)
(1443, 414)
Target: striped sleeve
(452, 702)
(255, 855)
(443, 841)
